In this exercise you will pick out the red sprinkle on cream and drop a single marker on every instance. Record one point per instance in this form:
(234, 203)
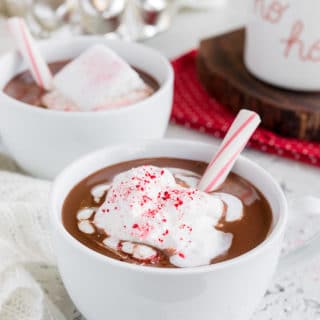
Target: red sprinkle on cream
(149, 175)
(166, 195)
(152, 212)
(178, 203)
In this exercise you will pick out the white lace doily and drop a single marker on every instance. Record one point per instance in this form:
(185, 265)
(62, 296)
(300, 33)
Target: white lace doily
(295, 294)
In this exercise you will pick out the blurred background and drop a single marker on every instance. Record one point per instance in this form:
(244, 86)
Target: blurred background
(129, 19)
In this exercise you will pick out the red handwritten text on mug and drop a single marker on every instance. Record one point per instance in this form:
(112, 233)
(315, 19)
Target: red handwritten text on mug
(294, 41)
(272, 11)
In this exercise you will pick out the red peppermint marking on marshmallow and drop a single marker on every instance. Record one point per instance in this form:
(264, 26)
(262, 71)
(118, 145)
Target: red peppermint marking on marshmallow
(165, 233)
(135, 226)
(181, 255)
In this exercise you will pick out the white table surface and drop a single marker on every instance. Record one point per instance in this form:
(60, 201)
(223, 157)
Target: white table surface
(188, 28)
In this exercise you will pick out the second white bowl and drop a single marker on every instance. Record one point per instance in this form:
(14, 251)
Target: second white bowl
(44, 141)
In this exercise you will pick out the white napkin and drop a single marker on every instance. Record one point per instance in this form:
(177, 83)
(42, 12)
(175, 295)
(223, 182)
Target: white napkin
(26, 249)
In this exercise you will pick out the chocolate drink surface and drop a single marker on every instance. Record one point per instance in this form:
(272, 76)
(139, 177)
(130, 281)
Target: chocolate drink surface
(247, 232)
(23, 88)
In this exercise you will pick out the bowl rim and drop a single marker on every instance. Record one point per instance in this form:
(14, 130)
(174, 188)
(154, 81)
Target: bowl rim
(163, 88)
(273, 236)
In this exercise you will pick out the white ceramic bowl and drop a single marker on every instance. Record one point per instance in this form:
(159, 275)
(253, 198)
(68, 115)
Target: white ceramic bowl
(45, 141)
(103, 288)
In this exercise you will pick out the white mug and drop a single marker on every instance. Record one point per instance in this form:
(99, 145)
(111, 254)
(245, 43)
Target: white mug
(104, 288)
(44, 141)
(283, 43)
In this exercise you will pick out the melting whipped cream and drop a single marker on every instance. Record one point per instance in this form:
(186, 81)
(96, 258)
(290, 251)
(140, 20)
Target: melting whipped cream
(145, 205)
(98, 79)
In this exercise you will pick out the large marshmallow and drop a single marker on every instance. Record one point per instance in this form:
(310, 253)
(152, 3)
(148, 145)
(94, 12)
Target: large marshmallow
(98, 79)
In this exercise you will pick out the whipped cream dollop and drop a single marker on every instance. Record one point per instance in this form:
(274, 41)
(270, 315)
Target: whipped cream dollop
(98, 79)
(147, 206)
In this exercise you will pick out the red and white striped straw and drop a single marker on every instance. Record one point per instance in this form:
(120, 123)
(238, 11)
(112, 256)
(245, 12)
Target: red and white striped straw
(30, 52)
(232, 145)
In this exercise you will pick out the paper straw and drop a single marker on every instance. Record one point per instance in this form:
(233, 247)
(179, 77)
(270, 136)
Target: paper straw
(232, 145)
(30, 52)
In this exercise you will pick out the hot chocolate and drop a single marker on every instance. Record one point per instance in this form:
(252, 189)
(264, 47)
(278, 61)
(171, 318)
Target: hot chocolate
(154, 215)
(23, 87)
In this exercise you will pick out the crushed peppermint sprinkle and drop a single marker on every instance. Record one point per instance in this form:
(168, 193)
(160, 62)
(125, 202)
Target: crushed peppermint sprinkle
(178, 202)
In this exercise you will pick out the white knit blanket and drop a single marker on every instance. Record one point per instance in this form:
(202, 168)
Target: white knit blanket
(30, 286)
(26, 249)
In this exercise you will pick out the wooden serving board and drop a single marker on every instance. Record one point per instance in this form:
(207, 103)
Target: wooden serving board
(221, 69)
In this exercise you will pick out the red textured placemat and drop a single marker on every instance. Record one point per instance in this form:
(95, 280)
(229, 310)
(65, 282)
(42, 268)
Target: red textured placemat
(194, 108)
